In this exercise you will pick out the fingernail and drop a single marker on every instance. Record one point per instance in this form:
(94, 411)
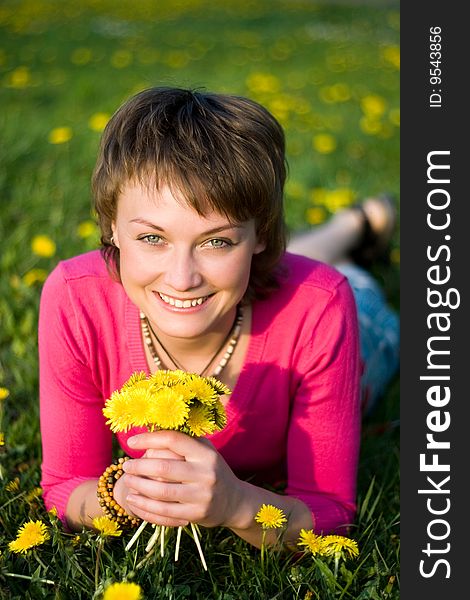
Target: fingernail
(131, 442)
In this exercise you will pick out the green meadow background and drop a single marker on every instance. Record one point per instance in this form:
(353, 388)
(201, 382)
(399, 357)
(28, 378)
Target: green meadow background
(329, 71)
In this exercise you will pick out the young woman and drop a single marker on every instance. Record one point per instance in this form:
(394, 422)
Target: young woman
(193, 275)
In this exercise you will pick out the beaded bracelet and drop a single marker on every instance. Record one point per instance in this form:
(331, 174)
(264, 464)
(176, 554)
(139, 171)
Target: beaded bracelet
(106, 498)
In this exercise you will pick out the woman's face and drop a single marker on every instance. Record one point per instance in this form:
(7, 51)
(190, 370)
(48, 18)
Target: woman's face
(185, 271)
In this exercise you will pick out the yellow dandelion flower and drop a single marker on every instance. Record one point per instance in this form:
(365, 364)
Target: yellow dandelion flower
(180, 388)
(116, 410)
(218, 386)
(324, 143)
(42, 245)
(81, 56)
(270, 517)
(76, 540)
(169, 410)
(219, 415)
(370, 126)
(337, 545)
(295, 190)
(106, 527)
(263, 83)
(31, 534)
(318, 196)
(2, 438)
(15, 282)
(165, 378)
(4, 393)
(121, 59)
(312, 542)
(19, 78)
(338, 92)
(123, 591)
(34, 276)
(53, 512)
(141, 405)
(13, 485)
(199, 420)
(34, 494)
(373, 106)
(339, 198)
(392, 55)
(200, 389)
(280, 105)
(131, 405)
(315, 215)
(98, 121)
(134, 379)
(60, 135)
(176, 59)
(86, 229)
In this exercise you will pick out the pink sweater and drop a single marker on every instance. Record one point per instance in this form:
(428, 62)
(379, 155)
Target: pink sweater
(294, 415)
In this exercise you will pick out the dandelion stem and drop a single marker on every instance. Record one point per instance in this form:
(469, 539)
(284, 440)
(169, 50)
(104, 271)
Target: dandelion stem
(178, 541)
(30, 578)
(263, 549)
(12, 500)
(136, 535)
(162, 542)
(337, 556)
(39, 561)
(196, 539)
(97, 565)
(145, 559)
(153, 539)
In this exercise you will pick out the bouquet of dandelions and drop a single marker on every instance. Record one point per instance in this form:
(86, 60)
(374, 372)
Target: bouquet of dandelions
(176, 400)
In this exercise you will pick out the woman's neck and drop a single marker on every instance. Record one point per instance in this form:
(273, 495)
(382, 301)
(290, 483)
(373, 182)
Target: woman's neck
(193, 354)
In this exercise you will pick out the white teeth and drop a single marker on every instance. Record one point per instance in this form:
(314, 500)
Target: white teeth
(182, 303)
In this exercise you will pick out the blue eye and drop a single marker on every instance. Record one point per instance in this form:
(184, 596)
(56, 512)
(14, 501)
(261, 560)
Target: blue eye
(151, 239)
(219, 243)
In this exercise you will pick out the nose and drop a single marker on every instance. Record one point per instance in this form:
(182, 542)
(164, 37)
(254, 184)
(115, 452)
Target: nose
(182, 272)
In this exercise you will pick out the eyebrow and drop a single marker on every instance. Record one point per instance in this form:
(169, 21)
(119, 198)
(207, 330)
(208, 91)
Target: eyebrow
(209, 232)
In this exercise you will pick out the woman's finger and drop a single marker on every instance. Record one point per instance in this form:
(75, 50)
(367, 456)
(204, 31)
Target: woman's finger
(189, 447)
(164, 491)
(159, 468)
(170, 514)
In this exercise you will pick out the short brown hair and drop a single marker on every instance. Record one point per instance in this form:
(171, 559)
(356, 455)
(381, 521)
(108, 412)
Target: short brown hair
(221, 152)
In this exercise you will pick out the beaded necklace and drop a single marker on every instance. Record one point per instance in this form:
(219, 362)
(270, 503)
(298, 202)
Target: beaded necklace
(232, 338)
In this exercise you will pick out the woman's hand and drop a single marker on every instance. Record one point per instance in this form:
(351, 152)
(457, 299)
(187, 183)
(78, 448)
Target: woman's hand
(180, 479)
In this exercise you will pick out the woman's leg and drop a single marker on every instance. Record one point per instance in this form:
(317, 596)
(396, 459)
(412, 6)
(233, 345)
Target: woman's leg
(379, 334)
(336, 240)
(333, 243)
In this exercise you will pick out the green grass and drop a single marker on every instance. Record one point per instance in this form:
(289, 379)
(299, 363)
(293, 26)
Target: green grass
(322, 68)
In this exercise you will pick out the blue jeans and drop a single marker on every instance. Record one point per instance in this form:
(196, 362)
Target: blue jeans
(379, 334)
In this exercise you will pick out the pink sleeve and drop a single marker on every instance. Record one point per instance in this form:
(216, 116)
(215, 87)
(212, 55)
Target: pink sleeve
(76, 444)
(324, 431)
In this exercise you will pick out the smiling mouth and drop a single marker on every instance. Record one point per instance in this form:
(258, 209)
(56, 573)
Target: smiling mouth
(182, 303)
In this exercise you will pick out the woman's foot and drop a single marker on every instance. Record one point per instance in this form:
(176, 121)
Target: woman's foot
(379, 220)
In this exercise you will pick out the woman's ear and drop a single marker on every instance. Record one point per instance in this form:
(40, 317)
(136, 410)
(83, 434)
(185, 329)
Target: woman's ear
(114, 238)
(260, 247)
